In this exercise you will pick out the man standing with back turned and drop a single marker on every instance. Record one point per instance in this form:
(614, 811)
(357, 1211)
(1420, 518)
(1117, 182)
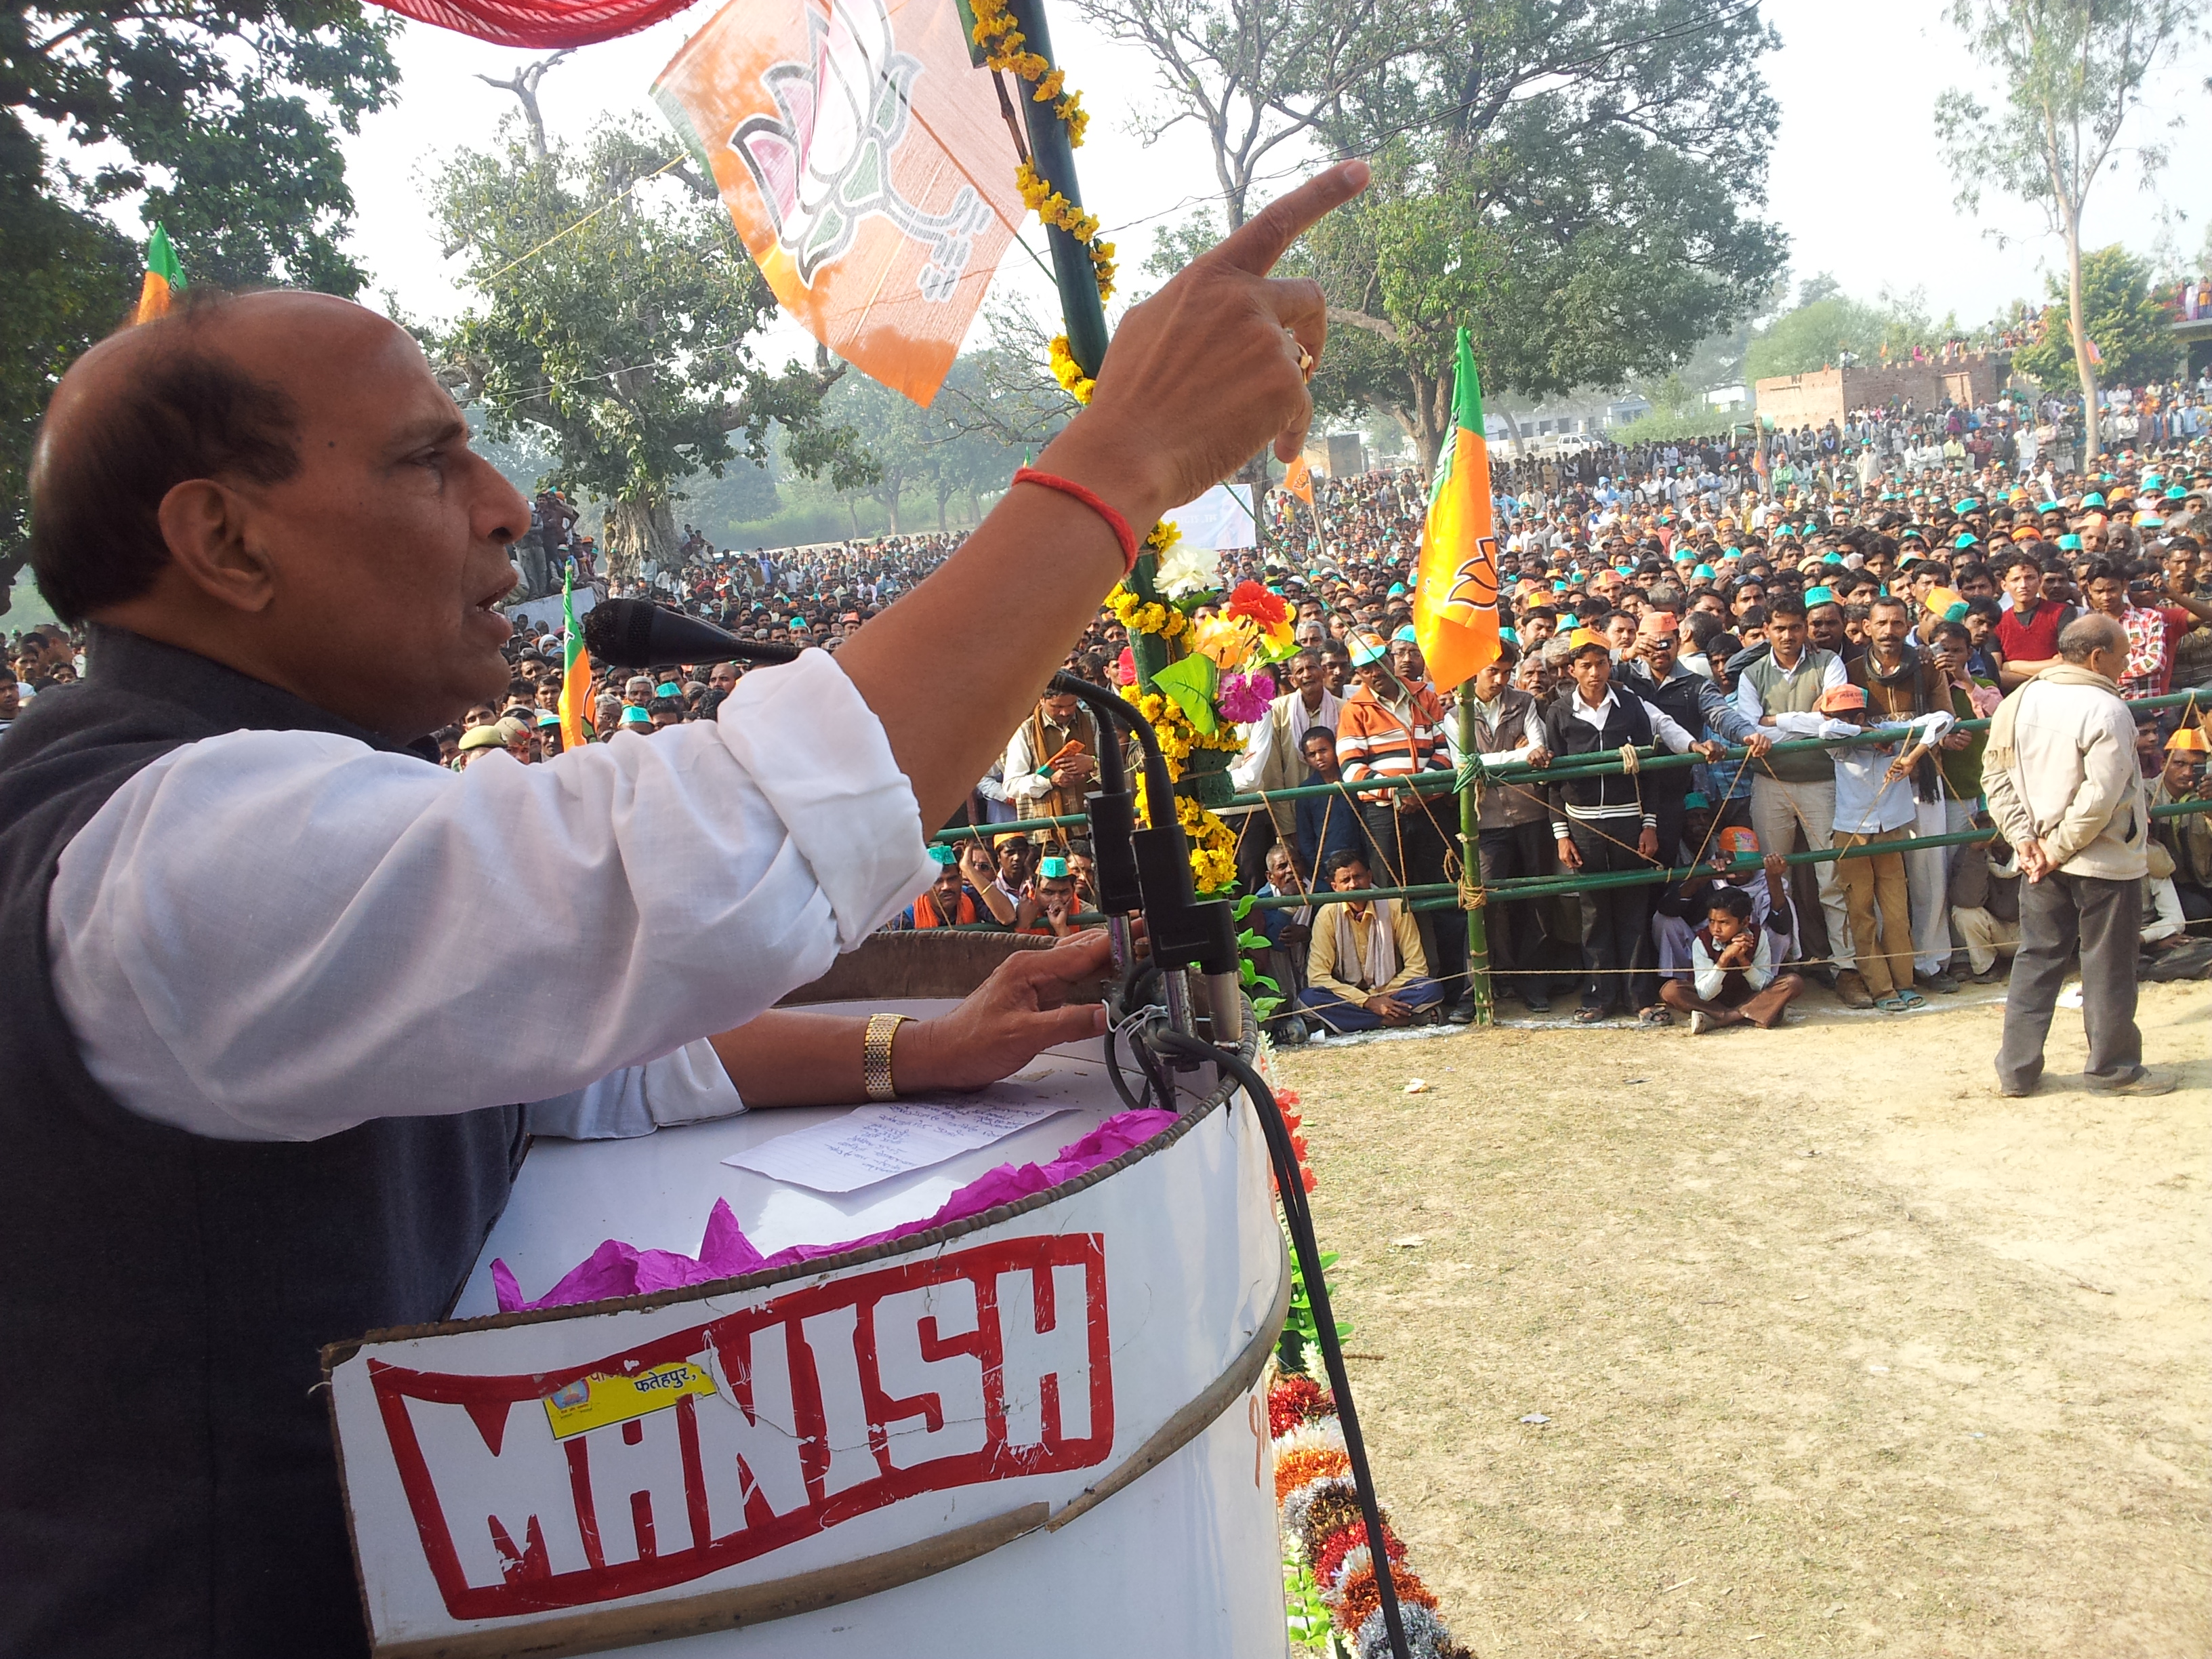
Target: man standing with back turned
(2064, 789)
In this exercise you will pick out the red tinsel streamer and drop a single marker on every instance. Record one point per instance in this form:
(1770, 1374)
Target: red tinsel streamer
(540, 23)
(1360, 1597)
(1290, 1402)
(1341, 1544)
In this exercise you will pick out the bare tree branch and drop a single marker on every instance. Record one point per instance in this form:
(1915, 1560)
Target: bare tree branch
(523, 83)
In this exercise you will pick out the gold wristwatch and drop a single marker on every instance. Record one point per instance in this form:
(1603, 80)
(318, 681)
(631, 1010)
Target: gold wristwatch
(876, 1055)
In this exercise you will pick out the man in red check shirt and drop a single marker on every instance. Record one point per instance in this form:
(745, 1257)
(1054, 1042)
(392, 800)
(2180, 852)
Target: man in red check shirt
(2153, 630)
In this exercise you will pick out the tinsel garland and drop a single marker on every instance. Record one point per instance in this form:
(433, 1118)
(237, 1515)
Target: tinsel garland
(1322, 1525)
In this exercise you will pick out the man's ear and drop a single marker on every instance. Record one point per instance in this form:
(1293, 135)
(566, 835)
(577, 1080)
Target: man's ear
(203, 523)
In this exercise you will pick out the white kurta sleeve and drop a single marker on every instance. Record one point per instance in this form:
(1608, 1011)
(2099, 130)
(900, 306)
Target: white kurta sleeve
(277, 935)
(689, 1086)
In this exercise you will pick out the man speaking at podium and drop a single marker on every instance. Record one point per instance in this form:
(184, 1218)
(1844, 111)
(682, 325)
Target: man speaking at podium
(276, 984)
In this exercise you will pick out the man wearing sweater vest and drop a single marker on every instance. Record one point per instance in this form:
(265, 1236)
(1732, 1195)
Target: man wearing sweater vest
(1392, 729)
(1795, 793)
(1602, 825)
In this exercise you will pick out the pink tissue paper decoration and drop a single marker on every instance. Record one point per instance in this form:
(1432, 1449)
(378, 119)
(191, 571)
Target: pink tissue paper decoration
(616, 1269)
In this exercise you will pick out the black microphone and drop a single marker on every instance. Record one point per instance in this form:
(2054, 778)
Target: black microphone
(639, 634)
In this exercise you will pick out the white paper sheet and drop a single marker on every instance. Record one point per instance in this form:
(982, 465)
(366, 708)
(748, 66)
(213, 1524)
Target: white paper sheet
(875, 1143)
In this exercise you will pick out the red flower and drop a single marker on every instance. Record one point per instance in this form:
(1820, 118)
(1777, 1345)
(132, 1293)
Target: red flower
(1251, 600)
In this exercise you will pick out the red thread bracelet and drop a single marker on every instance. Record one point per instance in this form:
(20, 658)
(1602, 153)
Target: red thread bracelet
(1068, 486)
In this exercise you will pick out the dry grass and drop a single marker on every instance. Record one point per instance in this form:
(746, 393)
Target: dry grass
(1841, 1353)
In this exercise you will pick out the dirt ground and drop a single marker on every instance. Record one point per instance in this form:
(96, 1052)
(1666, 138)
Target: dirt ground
(1839, 1351)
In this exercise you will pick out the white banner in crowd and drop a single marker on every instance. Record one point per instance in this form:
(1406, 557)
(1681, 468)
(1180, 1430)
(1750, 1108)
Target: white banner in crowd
(1220, 517)
(545, 611)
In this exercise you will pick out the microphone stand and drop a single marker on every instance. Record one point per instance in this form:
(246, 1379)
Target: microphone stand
(1148, 871)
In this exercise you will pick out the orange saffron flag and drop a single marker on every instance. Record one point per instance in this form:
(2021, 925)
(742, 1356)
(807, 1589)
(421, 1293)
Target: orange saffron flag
(865, 165)
(1298, 478)
(1456, 608)
(164, 276)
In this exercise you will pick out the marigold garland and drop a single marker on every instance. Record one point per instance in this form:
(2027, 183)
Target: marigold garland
(1002, 44)
(1069, 372)
(1139, 618)
(1054, 208)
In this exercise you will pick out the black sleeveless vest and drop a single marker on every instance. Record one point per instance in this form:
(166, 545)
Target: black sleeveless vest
(167, 1482)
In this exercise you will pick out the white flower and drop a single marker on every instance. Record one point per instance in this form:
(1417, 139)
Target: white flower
(1186, 569)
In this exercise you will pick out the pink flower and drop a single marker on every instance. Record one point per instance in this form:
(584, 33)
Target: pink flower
(1244, 698)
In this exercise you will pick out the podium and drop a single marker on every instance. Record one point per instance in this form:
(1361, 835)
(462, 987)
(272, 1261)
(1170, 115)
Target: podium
(1036, 1430)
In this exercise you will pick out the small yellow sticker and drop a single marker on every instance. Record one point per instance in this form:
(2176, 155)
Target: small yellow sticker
(596, 1401)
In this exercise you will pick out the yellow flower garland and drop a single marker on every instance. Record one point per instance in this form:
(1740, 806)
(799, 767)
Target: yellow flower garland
(1002, 49)
(1212, 845)
(1069, 372)
(1133, 614)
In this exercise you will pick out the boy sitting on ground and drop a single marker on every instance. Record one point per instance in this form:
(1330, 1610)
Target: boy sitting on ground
(1732, 977)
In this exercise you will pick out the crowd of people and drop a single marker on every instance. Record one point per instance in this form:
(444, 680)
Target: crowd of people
(1699, 602)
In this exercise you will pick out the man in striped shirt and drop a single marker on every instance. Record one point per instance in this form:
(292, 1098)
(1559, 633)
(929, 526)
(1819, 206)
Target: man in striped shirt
(1390, 729)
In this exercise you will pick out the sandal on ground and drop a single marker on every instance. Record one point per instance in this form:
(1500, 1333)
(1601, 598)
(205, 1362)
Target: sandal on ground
(1656, 1015)
(1892, 1003)
(1591, 1016)
(1911, 998)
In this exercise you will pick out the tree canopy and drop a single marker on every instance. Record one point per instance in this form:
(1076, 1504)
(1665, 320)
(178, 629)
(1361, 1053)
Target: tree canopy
(1575, 180)
(220, 119)
(616, 320)
(2068, 75)
(1830, 328)
(2126, 321)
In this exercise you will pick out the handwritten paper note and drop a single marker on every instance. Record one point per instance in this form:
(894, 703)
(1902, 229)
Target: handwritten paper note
(878, 1142)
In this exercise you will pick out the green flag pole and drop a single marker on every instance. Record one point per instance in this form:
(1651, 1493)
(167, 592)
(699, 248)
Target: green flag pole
(1051, 153)
(1470, 877)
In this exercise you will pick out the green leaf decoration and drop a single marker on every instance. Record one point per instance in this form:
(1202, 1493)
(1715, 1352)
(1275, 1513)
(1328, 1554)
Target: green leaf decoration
(1190, 681)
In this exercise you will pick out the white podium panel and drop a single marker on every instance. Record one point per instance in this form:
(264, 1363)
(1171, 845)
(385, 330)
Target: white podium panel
(1037, 1426)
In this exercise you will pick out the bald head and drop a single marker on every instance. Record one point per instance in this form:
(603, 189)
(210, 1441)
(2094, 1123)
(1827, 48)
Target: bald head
(2087, 635)
(276, 481)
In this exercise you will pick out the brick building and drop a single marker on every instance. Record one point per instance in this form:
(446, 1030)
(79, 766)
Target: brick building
(1815, 399)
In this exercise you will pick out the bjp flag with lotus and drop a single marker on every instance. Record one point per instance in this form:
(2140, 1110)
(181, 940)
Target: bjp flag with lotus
(1455, 608)
(865, 163)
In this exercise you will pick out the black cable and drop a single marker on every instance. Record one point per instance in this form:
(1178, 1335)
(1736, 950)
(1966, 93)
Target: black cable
(1299, 1217)
(1159, 787)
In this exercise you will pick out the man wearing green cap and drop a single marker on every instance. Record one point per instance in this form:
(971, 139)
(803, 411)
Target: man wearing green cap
(1049, 909)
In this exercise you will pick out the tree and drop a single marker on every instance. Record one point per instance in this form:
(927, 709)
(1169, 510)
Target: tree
(616, 320)
(1256, 75)
(1575, 180)
(2118, 312)
(220, 119)
(938, 451)
(1834, 328)
(2072, 72)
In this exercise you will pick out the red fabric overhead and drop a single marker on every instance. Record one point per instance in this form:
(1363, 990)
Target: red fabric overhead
(539, 22)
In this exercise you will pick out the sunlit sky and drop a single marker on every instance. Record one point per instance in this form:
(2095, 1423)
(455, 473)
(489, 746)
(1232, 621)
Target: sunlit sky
(1856, 180)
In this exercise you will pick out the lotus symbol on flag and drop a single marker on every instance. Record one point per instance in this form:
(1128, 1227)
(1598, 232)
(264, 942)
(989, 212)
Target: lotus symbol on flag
(824, 162)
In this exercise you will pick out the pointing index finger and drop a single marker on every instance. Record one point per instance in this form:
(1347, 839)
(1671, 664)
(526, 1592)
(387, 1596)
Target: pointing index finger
(1255, 244)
